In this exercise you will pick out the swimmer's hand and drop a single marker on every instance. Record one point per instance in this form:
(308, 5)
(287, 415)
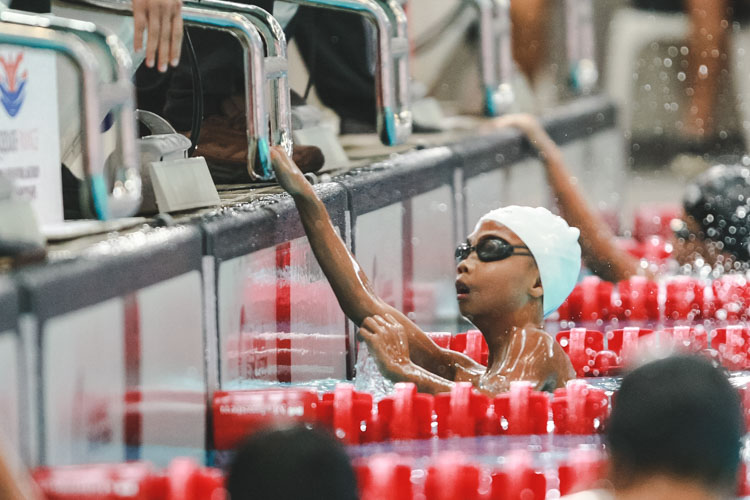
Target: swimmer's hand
(528, 124)
(388, 343)
(163, 20)
(288, 174)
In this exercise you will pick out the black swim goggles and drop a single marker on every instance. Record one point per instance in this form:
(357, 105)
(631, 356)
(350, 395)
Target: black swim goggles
(490, 250)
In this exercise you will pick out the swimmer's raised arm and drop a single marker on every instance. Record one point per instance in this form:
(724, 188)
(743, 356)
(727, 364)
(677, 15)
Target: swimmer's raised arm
(598, 243)
(350, 284)
(15, 482)
(353, 291)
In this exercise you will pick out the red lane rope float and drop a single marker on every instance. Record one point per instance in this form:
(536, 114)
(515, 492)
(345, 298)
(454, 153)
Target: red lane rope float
(472, 344)
(385, 473)
(583, 469)
(653, 219)
(579, 409)
(452, 476)
(184, 479)
(732, 344)
(639, 300)
(581, 346)
(344, 411)
(449, 476)
(237, 414)
(526, 411)
(461, 412)
(446, 476)
(406, 414)
(729, 345)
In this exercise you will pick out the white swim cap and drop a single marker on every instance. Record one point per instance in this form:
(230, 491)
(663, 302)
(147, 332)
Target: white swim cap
(552, 242)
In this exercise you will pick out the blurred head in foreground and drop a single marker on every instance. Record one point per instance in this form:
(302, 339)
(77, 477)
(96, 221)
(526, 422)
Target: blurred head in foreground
(676, 423)
(291, 463)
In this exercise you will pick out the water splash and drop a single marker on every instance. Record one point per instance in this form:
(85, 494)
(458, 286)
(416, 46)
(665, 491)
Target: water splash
(368, 378)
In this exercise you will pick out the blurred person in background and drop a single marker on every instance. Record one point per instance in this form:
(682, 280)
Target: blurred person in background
(530, 36)
(674, 433)
(708, 43)
(15, 483)
(292, 463)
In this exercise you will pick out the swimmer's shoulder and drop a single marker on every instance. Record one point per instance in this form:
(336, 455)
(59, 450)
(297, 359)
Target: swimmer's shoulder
(556, 362)
(540, 338)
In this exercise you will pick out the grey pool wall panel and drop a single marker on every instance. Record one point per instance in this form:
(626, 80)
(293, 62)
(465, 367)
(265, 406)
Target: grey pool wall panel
(13, 407)
(118, 361)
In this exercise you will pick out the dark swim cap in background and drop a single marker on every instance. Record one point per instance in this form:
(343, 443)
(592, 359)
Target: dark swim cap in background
(719, 199)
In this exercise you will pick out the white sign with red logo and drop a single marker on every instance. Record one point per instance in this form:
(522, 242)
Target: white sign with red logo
(29, 129)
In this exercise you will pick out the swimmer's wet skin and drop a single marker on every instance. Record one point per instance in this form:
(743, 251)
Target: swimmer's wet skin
(505, 294)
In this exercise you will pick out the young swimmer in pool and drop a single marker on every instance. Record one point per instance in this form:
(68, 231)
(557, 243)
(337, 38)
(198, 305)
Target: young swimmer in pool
(713, 231)
(518, 265)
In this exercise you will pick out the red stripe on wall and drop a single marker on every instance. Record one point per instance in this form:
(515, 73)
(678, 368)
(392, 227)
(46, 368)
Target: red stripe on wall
(283, 313)
(407, 254)
(133, 419)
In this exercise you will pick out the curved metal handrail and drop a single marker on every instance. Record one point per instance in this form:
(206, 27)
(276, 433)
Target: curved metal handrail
(239, 26)
(276, 66)
(84, 62)
(496, 58)
(116, 95)
(392, 68)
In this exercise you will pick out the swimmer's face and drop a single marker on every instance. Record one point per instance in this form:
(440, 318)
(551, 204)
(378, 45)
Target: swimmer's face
(497, 287)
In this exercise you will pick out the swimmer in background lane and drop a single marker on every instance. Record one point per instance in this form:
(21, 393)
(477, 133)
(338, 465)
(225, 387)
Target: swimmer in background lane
(518, 265)
(714, 229)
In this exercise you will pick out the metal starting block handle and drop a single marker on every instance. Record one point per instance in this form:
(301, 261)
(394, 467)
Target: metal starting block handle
(392, 68)
(116, 95)
(85, 64)
(496, 57)
(584, 75)
(242, 28)
(275, 65)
